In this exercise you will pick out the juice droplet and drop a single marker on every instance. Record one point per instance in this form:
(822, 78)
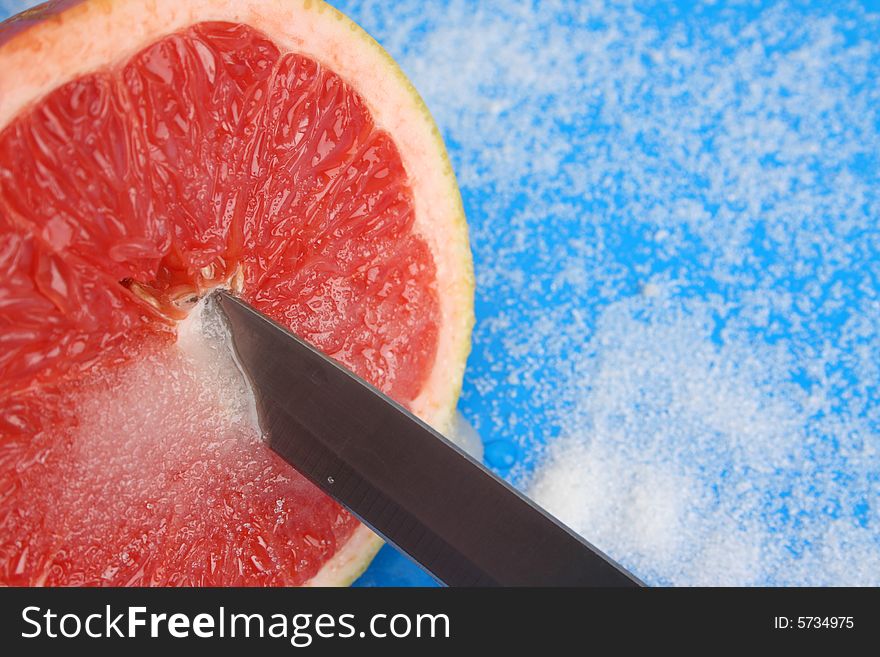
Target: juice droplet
(501, 454)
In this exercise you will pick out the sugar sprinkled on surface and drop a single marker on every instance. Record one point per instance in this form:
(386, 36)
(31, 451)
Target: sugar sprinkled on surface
(174, 398)
(674, 211)
(186, 482)
(204, 341)
(694, 464)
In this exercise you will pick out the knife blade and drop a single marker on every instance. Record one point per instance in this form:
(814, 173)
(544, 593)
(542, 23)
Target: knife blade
(400, 477)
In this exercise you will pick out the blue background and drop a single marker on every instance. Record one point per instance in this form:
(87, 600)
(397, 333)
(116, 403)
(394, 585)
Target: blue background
(552, 253)
(710, 166)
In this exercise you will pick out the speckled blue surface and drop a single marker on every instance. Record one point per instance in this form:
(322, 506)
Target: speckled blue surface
(638, 133)
(623, 163)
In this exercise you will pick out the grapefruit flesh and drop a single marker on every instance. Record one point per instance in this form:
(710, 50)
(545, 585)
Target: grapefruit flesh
(210, 156)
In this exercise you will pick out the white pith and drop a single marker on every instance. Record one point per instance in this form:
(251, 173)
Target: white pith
(63, 46)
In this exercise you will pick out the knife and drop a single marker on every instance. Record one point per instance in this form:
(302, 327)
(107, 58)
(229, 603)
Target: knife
(399, 476)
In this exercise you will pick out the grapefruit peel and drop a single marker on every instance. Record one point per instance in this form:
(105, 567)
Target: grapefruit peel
(55, 43)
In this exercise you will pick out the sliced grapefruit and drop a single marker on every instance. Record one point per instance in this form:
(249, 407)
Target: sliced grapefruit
(150, 152)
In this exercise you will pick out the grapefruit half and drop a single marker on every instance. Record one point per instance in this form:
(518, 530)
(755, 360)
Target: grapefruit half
(149, 152)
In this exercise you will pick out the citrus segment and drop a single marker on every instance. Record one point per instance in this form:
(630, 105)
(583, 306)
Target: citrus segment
(211, 156)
